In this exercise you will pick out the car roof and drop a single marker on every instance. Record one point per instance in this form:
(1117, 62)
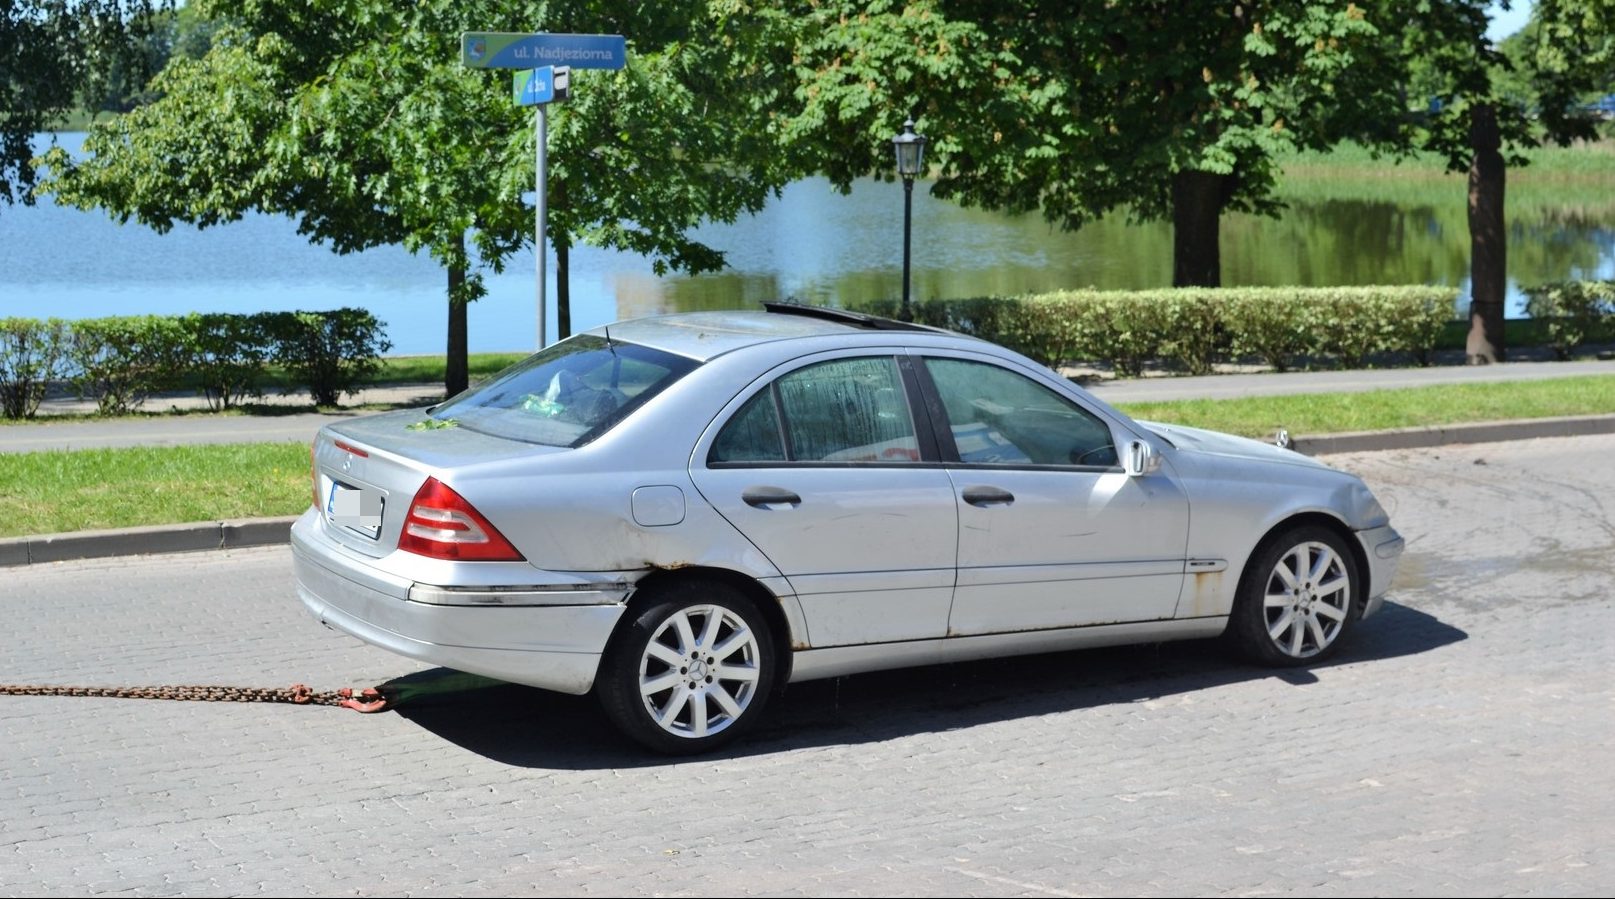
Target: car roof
(705, 335)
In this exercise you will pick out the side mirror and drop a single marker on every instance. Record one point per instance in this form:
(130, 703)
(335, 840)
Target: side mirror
(1140, 459)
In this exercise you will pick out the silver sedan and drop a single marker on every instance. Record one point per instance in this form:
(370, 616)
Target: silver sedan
(685, 513)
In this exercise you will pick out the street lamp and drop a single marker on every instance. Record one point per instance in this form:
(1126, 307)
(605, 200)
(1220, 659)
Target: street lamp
(910, 149)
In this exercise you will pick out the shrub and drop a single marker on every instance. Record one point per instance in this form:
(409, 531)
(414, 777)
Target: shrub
(1192, 327)
(1355, 322)
(227, 353)
(329, 352)
(1274, 326)
(1572, 311)
(121, 360)
(1194, 331)
(1420, 321)
(31, 356)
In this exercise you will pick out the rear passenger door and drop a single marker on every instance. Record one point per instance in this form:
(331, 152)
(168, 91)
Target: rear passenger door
(830, 469)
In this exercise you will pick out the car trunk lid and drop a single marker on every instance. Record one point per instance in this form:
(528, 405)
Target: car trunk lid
(367, 471)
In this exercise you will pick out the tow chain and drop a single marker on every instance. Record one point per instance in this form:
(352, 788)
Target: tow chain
(370, 699)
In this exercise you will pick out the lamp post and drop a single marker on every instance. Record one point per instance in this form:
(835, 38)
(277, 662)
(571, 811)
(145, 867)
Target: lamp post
(910, 149)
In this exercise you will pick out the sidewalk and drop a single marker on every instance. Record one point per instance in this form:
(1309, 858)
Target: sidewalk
(174, 430)
(202, 427)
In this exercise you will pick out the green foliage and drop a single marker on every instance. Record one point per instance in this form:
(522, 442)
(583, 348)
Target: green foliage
(1114, 326)
(329, 352)
(1192, 328)
(120, 360)
(55, 51)
(1573, 312)
(1271, 328)
(1195, 332)
(228, 354)
(31, 356)
(1490, 104)
(357, 119)
(1084, 108)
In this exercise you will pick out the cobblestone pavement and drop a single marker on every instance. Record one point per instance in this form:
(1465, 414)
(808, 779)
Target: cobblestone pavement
(1460, 746)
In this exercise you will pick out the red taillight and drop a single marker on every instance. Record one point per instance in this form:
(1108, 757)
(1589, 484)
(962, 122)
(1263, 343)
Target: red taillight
(442, 525)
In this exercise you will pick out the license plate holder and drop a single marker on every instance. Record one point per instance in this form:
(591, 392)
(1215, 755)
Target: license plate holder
(356, 508)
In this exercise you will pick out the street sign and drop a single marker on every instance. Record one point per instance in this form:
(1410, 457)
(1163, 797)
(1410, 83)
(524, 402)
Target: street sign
(543, 85)
(502, 50)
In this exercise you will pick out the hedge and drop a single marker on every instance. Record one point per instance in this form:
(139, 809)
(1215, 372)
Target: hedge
(30, 358)
(1192, 328)
(1575, 312)
(119, 361)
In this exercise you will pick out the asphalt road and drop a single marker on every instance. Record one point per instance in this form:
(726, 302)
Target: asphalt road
(1459, 746)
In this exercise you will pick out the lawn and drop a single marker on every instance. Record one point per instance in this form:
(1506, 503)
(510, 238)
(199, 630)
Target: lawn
(57, 491)
(1379, 410)
(60, 490)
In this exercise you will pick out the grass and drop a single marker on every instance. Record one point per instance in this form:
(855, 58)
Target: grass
(60, 490)
(1589, 159)
(430, 369)
(1333, 413)
(1573, 180)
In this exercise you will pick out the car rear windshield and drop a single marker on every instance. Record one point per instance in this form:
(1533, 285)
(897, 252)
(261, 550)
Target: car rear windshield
(567, 394)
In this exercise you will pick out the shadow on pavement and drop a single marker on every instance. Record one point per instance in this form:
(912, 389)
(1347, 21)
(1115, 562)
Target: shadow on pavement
(534, 728)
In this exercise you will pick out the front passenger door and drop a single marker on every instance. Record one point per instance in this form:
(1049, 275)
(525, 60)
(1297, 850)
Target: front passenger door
(1052, 532)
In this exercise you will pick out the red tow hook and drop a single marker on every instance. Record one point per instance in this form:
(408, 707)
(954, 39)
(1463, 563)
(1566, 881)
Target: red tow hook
(368, 700)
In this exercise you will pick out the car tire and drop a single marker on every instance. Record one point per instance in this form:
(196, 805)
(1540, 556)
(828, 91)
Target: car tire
(1298, 597)
(692, 671)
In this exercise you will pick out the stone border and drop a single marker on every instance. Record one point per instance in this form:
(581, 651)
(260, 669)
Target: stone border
(165, 538)
(1444, 435)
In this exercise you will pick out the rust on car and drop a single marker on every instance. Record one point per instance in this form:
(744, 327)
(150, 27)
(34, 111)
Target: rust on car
(1208, 592)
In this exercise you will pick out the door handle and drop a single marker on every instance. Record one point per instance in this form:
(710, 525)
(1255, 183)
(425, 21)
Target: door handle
(763, 497)
(987, 496)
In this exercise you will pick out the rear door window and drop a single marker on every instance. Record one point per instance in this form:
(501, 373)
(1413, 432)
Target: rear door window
(843, 410)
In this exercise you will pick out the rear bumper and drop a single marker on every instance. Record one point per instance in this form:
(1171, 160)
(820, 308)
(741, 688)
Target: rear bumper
(543, 636)
(1382, 547)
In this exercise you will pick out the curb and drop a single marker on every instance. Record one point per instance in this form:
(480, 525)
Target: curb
(1444, 435)
(173, 538)
(163, 538)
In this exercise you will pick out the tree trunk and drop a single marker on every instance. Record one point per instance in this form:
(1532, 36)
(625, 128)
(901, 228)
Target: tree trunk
(1197, 200)
(563, 291)
(456, 373)
(1488, 247)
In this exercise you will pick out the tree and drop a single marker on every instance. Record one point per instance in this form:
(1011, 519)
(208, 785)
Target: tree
(1164, 109)
(52, 52)
(356, 118)
(124, 84)
(1490, 106)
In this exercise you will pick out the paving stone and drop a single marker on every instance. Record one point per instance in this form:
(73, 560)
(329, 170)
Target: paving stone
(1458, 746)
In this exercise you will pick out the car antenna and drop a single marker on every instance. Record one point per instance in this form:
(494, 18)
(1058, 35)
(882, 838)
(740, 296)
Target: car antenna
(608, 338)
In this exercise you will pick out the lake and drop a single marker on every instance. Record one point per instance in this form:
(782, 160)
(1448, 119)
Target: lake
(812, 243)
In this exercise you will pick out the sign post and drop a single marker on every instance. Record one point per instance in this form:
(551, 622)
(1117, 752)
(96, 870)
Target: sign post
(545, 83)
(538, 88)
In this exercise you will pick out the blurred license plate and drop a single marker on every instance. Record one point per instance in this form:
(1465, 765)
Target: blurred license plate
(354, 508)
